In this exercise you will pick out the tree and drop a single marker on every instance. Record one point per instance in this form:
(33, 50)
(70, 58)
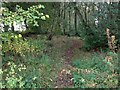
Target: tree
(29, 16)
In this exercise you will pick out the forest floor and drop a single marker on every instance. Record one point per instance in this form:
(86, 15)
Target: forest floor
(64, 49)
(64, 78)
(64, 64)
(67, 49)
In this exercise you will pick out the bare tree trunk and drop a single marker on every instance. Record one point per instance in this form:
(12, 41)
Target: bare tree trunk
(87, 27)
(64, 18)
(75, 20)
(85, 12)
(26, 24)
(69, 18)
(12, 27)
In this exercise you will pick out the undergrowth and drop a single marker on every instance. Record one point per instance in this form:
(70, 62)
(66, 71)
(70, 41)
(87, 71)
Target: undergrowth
(97, 71)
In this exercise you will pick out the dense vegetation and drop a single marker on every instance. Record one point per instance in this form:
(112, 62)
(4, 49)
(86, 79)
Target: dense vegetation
(62, 45)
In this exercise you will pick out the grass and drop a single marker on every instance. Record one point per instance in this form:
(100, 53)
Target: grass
(45, 65)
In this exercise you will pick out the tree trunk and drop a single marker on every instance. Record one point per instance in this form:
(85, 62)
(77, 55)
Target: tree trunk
(75, 20)
(86, 26)
(64, 18)
(26, 24)
(12, 27)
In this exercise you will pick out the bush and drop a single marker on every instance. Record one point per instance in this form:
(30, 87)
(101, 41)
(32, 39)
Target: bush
(95, 39)
(14, 44)
(35, 73)
(11, 76)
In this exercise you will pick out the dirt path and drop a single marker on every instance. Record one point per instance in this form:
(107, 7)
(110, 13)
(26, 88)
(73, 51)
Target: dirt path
(64, 78)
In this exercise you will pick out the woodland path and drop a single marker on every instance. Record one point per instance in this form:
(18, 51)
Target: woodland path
(64, 77)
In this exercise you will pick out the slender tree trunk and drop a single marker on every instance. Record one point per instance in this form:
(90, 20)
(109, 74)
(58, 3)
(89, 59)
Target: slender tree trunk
(12, 27)
(26, 24)
(59, 22)
(64, 18)
(86, 26)
(61, 17)
(85, 12)
(75, 20)
(69, 19)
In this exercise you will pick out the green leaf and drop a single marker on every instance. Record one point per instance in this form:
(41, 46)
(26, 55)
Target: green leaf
(43, 18)
(47, 16)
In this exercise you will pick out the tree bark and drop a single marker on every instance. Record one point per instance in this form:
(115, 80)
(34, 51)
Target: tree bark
(75, 20)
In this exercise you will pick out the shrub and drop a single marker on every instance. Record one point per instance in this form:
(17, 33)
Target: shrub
(14, 44)
(35, 73)
(95, 40)
(11, 76)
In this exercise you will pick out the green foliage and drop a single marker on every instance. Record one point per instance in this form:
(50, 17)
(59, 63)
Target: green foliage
(12, 43)
(30, 16)
(97, 40)
(95, 20)
(95, 62)
(95, 71)
(35, 73)
(12, 78)
(37, 66)
(41, 71)
(33, 70)
(78, 80)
